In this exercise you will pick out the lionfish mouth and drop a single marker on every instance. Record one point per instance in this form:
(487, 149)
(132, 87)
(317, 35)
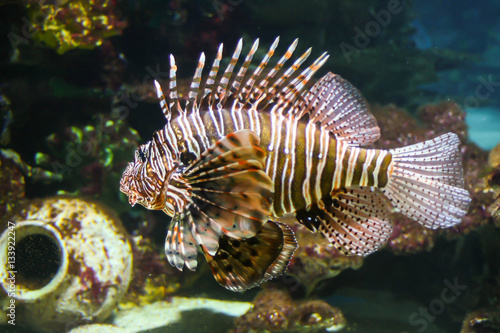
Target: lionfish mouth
(126, 186)
(133, 195)
(132, 198)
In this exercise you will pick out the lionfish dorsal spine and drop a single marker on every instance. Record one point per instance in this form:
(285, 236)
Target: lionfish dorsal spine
(173, 96)
(235, 86)
(300, 81)
(295, 87)
(222, 88)
(195, 85)
(257, 91)
(212, 76)
(276, 87)
(263, 64)
(163, 102)
(261, 87)
(290, 93)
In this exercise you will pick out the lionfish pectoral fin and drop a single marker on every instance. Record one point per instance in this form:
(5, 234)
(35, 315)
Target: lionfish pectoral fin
(241, 264)
(229, 194)
(427, 184)
(355, 220)
(340, 108)
(180, 246)
(230, 191)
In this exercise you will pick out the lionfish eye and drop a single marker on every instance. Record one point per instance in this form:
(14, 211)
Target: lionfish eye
(142, 155)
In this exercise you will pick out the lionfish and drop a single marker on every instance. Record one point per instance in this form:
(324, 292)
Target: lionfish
(248, 148)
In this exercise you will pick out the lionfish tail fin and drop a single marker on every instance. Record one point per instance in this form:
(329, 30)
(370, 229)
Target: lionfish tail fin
(426, 182)
(241, 264)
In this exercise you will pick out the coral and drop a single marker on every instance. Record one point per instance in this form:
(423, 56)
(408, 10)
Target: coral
(12, 185)
(6, 119)
(153, 279)
(13, 174)
(91, 158)
(444, 117)
(486, 207)
(494, 157)
(493, 181)
(474, 161)
(400, 128)
(65, 25)
(410, 237)
(316, 259)
(275, 311)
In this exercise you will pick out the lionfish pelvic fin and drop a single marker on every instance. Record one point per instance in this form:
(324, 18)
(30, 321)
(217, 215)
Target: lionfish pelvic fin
(241, 264)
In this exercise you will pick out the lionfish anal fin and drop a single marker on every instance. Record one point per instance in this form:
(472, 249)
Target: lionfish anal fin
(241, 264)
(355, 220)
(229, 195)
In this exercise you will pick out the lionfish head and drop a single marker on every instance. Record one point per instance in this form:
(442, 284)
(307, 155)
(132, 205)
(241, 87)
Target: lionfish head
(143, 181)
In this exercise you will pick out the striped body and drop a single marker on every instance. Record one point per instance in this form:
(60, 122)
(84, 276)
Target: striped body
(304, 161)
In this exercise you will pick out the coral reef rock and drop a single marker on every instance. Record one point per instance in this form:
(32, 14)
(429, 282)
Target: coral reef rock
(275, 311)
(65, 25)
(12, 185)
(153, 278)
(493, 181)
